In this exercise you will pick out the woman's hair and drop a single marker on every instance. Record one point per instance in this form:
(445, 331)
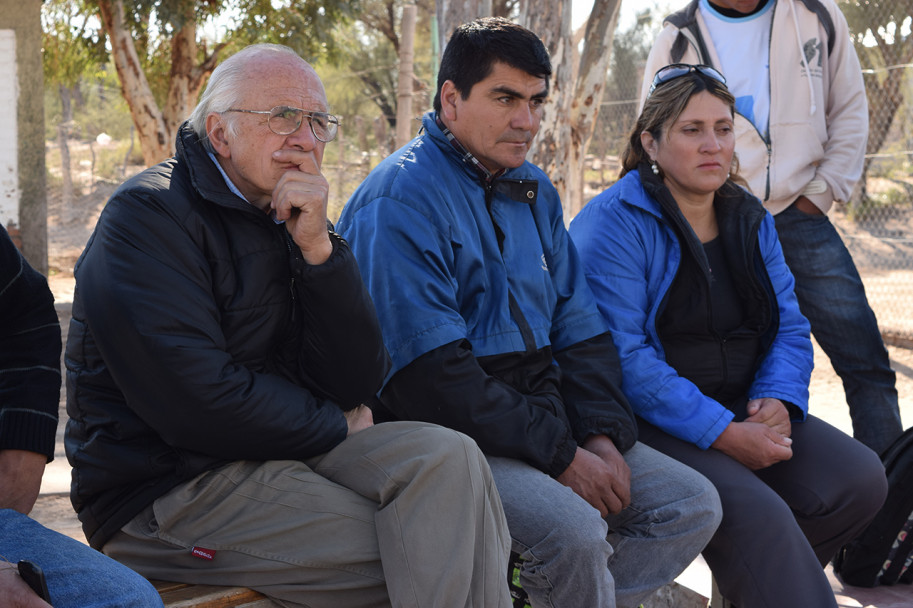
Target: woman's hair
(663, 107)
(225, 85)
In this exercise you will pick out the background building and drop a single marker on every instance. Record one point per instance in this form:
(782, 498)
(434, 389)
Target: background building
(23, 207)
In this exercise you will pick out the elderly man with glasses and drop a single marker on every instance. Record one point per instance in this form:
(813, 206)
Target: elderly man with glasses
(221, 354)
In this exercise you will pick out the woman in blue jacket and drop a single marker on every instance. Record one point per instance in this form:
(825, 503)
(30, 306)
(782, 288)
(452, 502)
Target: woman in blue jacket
(716, 357)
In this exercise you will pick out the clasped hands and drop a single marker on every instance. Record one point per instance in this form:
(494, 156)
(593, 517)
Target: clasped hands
(762, 439)
(599, 475)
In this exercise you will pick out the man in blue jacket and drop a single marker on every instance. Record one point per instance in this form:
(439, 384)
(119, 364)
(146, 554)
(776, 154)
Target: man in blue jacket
(221, 351)
(494, 332)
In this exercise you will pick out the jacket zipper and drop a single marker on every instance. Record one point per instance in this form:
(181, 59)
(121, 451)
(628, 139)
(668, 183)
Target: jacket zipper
(292, 260)
(526, 332)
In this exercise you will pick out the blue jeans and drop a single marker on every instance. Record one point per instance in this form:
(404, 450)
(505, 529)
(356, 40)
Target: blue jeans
(77, 575)
(832, 297)
(573, 557)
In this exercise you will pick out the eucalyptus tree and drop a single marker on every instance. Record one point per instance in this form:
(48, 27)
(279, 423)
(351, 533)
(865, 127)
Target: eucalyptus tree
(164, 50)
(580, 63)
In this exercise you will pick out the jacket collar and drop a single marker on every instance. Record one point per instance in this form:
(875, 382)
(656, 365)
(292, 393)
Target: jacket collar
(204, 173)
(519, 189)
(648, 192)
(465, 155)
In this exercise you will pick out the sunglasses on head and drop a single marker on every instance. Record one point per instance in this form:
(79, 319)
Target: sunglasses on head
(677, 70)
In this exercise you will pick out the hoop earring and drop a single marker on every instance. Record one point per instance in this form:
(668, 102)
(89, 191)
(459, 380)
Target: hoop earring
(654, 168)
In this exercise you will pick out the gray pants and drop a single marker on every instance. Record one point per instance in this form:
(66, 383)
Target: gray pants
(400, 514)
(782, 524)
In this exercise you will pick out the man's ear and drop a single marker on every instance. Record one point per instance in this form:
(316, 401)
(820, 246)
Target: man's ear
(215, 130)
(649, 143)
(449, 98)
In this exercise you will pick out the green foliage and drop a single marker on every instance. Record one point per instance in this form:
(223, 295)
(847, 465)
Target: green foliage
(308, 27)
(98, 108)
(352, 44)
(110, 159)
(884, 43)
(92, 163)
(881, 31)
(370, 47)
(71, 46)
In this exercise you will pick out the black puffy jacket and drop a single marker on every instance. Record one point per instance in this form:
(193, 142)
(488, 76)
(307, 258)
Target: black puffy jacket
(200, 336)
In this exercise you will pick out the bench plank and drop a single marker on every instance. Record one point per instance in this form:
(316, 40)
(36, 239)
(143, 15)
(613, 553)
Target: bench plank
(184, 595)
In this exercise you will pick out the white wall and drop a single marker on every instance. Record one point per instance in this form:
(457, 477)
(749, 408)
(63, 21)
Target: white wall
(9, 136)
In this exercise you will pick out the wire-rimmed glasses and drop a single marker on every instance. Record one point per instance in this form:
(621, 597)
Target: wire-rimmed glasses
(285, 120)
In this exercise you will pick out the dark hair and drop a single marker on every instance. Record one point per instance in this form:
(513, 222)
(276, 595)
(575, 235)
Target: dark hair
(474, 48)
(664, 106)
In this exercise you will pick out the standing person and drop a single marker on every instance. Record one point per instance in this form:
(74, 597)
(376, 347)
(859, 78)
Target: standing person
(221, 351)
(801, 120)
(715, 355)
(494, 332)
(77, 576)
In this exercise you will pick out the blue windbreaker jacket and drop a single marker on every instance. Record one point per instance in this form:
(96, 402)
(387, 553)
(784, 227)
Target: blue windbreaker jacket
(452, 259)
(631, 253)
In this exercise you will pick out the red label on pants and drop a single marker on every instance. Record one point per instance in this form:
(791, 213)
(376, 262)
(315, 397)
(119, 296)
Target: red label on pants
(202, 553)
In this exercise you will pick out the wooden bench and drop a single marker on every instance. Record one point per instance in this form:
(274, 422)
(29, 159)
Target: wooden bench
(184, 595)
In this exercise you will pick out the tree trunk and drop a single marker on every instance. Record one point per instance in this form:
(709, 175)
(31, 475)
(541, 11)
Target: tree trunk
(63, 136)
(587, 98)
(551, 151)
(150, 126)
(404, 123)
(186, 78)
(181, 96)
(575, 93)
(453, 13)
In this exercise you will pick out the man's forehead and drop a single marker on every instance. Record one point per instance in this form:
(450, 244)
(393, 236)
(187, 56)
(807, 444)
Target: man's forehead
(507, 79)
(301, 89)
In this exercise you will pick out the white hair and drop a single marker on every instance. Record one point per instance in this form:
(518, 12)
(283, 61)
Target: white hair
(225, 85)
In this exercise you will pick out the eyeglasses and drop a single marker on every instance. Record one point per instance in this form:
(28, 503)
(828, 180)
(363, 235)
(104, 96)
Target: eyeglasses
(285, 120)
(677, 70)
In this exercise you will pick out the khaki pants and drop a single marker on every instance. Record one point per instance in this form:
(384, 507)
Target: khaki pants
(400, 514)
